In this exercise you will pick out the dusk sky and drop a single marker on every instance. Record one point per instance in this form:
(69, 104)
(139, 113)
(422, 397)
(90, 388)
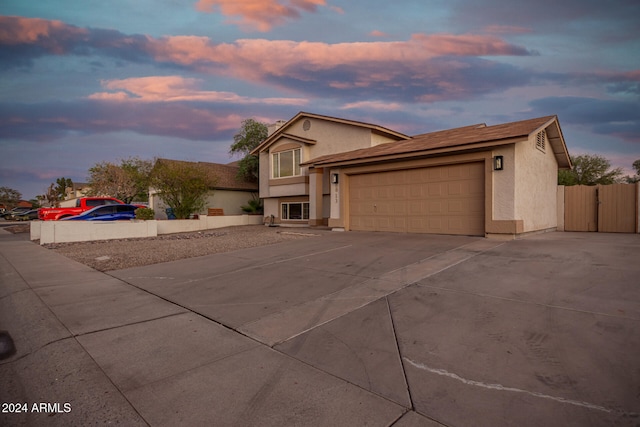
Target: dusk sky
(84, 81)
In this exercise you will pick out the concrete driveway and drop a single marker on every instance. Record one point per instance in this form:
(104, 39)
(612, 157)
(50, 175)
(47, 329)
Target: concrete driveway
(368, 329)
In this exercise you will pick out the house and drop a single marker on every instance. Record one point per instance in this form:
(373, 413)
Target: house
(297, 195)
(229, 194)
(475, 180)
(76, 191)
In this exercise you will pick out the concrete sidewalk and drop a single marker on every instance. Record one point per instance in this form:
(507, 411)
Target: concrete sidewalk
(72, 325)
(344, 329)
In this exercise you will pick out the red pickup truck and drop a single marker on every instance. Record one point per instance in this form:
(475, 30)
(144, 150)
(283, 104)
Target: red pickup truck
(82, 204)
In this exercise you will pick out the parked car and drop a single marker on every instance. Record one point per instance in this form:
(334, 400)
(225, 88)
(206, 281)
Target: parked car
(106, 213)
(26, 216)
(83, 204)
(8, 215)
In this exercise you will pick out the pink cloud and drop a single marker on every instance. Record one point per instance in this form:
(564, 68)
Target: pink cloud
(52, 35)
(260, 14)
(177, 88)
(373, 105)
(424, 61)
(253, 58)
(378, 33)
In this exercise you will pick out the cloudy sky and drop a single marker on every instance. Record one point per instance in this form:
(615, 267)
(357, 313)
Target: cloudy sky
(83, 81)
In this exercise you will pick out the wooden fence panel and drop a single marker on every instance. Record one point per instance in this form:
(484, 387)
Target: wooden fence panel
(580, 211)
(617, 208)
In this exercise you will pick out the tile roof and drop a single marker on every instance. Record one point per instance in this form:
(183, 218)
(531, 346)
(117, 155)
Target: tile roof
(227, 175)
(445, 140)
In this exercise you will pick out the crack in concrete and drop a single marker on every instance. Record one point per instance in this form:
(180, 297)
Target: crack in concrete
(500, 387)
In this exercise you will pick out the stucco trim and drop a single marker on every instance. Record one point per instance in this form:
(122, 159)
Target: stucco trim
(447, 151)
(346, 172)
(503, 226)
(285, 147)
(301, 179)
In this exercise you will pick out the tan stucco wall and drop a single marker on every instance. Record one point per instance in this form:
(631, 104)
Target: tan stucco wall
(69, 203)
(271, 207)
(264, 174)
(536, 179)
(504, 185)
(518, 199)
(230, 201)
(330, 137)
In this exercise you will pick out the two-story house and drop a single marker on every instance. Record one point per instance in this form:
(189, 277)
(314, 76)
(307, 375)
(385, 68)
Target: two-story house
(296, 194)
(477, 180)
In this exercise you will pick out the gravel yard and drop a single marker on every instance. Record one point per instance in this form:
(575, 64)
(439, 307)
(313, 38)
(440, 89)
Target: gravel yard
(124, 253)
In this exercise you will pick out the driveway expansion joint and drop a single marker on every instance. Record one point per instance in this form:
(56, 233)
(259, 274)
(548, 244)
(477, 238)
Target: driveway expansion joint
(284, 325)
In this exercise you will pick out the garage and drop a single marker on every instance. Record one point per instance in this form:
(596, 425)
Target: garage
(446, 199)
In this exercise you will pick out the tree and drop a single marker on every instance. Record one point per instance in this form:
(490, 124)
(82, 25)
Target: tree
(183, 186)
(251, 134)
(9, 197)
(140, 172)
(127, 181)
(636, 178)
(61, 186)
(53, 199)
(589, 169)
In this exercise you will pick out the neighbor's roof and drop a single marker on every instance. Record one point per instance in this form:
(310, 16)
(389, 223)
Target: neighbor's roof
(227, 175)
(458, 139)
(281, 130)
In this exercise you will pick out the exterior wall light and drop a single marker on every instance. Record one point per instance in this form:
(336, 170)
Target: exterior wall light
(334, 178)
(498, 163)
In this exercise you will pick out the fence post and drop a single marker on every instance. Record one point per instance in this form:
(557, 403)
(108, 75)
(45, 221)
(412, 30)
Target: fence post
(638, 207)
(560, 208)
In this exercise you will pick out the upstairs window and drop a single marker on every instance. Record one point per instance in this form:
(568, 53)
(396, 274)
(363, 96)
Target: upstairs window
(541, 140)
(286, 163)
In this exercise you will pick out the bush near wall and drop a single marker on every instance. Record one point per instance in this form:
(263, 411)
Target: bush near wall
(145, 214)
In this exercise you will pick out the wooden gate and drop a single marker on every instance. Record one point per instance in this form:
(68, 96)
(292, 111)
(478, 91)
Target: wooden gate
(617, 208)
(604, 208)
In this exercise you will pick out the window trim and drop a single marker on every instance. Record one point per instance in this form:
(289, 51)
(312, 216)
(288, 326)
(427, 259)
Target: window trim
(275, 163)
(304, 208)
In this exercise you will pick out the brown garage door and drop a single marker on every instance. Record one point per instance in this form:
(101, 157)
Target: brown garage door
(440, 200)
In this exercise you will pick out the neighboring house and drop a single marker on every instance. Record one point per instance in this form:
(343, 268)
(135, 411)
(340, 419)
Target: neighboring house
(476, 180)
(78, 190)
(229, 193)
(21, 204)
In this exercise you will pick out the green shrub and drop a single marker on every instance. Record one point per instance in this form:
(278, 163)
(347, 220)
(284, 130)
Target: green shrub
(144, 213)
(254, 206)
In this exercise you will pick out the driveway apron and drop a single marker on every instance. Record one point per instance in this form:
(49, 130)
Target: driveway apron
(338, 329)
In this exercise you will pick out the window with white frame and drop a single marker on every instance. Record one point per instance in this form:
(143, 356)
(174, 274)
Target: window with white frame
(541, 140)
(295, 210)
(286, 163)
